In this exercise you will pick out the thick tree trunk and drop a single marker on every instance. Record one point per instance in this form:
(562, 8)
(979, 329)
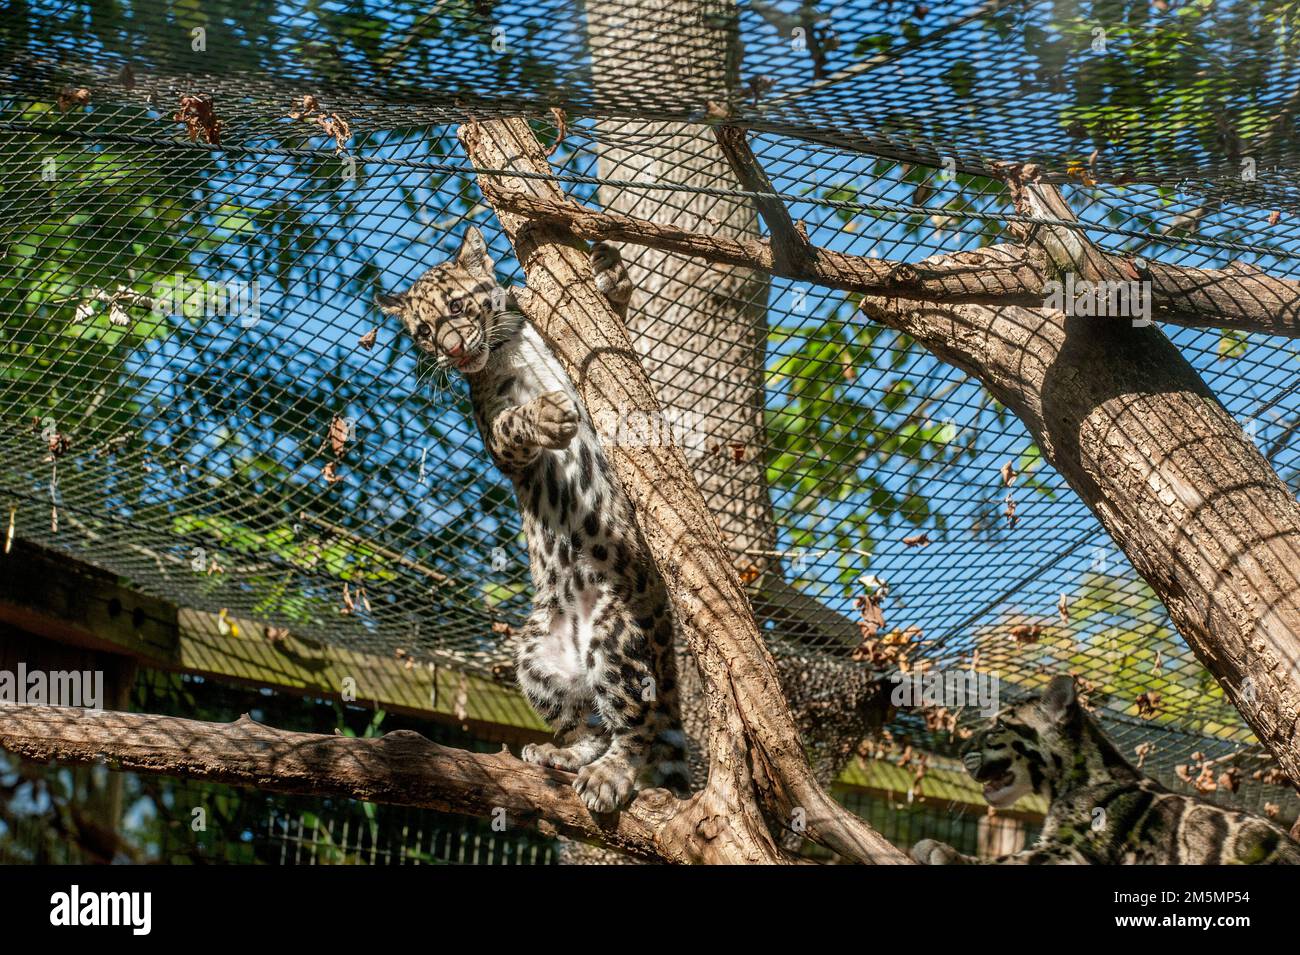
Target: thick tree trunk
(701, 329)
(1169, 473)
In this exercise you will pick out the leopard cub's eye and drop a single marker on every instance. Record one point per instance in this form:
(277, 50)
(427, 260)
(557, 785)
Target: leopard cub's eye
(455, 306)
(422, 331)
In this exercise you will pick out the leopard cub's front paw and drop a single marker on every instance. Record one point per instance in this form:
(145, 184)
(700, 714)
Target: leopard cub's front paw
(934, 852)
(555, 420)
(611, 274)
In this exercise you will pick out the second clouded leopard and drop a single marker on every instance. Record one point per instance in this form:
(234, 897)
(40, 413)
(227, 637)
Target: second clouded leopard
(595, 657)
(1101, 811)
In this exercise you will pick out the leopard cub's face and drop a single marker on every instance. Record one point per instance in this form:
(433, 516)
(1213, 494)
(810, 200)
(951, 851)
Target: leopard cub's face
(1021, 748)
(449, 311)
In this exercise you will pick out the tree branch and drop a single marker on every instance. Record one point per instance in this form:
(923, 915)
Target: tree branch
(1009, 273)
(1240, 296)
(400, 768)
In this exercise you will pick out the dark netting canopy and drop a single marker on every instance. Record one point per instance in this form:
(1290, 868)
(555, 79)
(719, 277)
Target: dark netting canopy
(261, 452)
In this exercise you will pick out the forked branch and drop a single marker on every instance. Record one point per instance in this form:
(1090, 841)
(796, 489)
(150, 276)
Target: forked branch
(1240, 296)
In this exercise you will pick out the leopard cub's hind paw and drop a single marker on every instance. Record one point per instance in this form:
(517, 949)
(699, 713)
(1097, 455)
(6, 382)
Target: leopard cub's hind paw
(606, 784)
(537, 753)
(557, 757)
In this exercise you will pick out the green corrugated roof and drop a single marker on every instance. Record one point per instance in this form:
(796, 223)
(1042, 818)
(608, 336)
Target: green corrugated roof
(940, 784)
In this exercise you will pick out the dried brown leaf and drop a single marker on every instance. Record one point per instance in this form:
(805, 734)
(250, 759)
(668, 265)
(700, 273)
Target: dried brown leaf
(1230, 779)
(561, 129)
(1205, 782)
(70, 97)
(199, 117)
(1026, 633)
(1148, 705)
(1142, 751)
(58, 444)
(339, 435)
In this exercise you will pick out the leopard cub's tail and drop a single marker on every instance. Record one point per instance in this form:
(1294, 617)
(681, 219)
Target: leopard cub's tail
(666, 763)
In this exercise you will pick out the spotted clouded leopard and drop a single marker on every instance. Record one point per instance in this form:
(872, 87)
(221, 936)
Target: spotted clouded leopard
(595, 656)
(1101, 811)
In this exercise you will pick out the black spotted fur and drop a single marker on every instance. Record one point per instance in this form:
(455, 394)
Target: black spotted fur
(595, 658)
(1101, 810)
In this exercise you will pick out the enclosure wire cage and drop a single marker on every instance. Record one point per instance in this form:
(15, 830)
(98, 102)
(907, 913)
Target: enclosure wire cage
(198, 394)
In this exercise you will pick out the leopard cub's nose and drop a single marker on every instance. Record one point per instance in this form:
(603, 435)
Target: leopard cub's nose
(455, 351)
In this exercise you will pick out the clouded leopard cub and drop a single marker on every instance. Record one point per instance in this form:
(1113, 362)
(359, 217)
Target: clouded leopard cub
(595, 657)
(1101, 811)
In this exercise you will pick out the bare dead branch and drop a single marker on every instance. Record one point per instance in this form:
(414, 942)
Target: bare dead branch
(1067, 247)
(790, 246)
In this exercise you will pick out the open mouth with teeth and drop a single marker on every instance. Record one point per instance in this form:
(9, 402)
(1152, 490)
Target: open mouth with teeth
(997, 776)
(999, 787)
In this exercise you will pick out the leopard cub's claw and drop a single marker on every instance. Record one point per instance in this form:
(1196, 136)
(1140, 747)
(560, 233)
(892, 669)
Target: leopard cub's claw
(606, 784)
(611, 274)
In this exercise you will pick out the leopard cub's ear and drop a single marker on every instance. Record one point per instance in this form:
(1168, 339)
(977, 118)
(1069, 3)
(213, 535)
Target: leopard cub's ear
(473, 254)
(391, 304)
(1061, 696)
